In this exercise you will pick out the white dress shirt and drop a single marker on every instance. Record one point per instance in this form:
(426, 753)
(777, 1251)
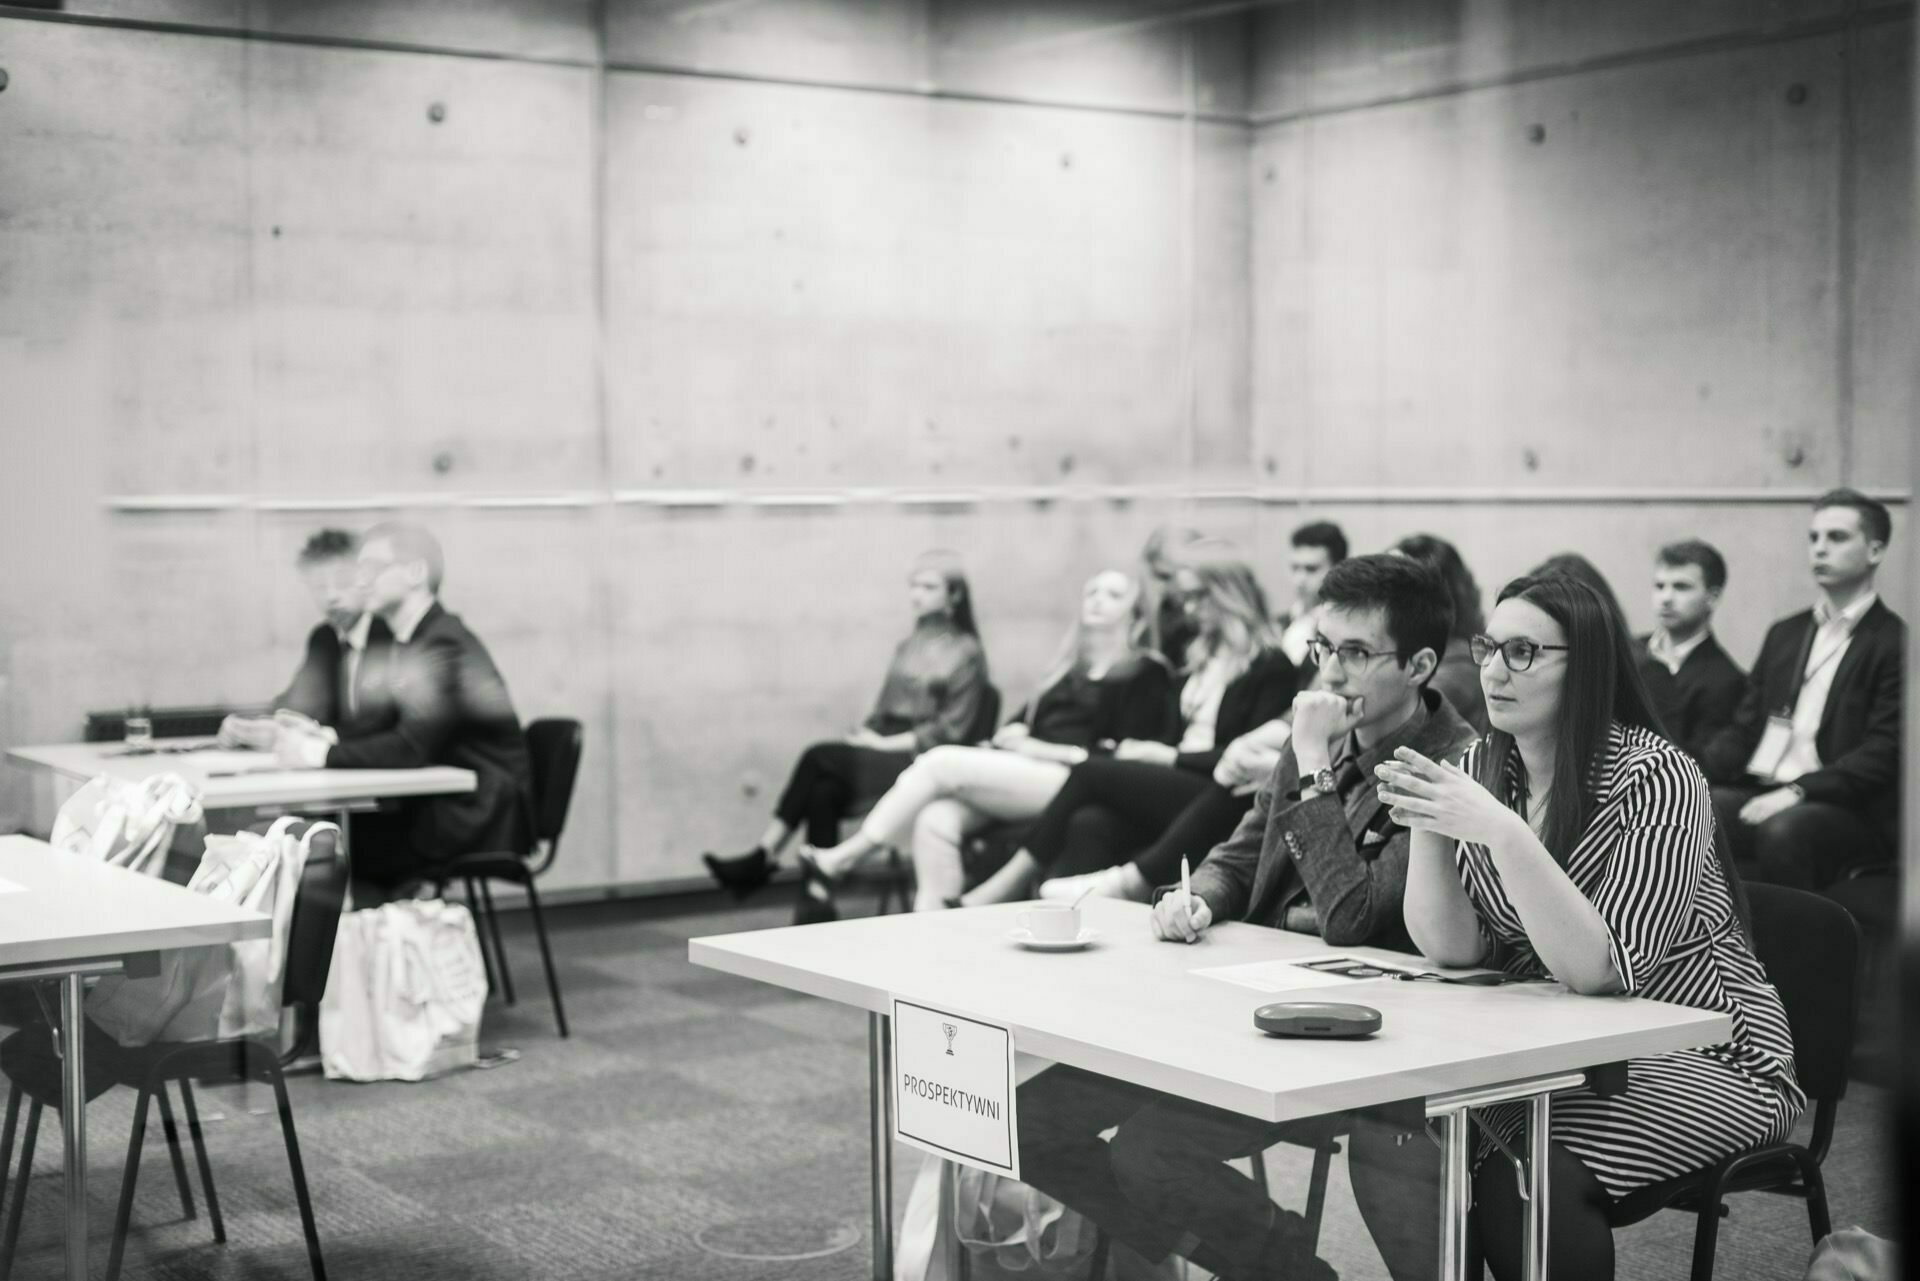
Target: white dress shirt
(1669, 655)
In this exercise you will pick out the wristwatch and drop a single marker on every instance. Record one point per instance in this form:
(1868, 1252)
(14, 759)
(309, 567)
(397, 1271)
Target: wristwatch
(1323, 781)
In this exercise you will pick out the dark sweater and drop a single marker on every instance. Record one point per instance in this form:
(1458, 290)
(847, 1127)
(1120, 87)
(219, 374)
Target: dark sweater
(1132, 700)
(1699, 700)
(1262, 693)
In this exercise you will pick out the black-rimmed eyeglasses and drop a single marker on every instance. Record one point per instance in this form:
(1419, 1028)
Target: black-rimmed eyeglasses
(1352, 657)
(1518, 653)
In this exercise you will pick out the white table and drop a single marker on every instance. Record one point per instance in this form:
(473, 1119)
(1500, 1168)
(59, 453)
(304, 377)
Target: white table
(245, 780)
(68, 917)
(1456, 1048)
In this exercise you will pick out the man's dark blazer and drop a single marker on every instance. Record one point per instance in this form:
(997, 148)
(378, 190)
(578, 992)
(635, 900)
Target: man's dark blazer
(315, 690)
(1347, 857)
(1859, 735)
(447, 705)
(1699, 700)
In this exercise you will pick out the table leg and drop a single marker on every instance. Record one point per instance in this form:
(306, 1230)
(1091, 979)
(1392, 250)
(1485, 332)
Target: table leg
(1539, 1130)
(1456, 1191)
(880, 1083)
(73, 1119)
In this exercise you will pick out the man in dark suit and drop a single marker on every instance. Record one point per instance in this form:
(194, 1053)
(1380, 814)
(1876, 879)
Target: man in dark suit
(340, 679)
(1317, 854)
(1808, 774)
(1695, 686)
(444, 703)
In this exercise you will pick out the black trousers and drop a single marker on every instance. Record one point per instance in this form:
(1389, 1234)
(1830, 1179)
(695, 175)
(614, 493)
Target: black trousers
(829, 780)
(1145, 798)
(1808, 846)
(1396, 1184)
(1161, 1184)
(1208, 819)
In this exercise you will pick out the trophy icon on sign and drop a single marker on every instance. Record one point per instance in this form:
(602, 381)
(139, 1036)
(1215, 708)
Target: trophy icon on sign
(951, 1032)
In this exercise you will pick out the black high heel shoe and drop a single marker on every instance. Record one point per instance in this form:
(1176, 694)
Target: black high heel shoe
(815, 903)
(742, 874)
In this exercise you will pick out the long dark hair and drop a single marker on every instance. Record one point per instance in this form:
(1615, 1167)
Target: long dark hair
(1576, 566)
(1468, 615)
(1602, 688)
(953, 573)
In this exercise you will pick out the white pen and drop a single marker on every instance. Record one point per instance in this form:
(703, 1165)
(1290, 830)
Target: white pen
(1186, 886)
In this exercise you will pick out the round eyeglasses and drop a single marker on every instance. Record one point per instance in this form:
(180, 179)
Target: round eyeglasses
(1352, 657)
(1518, 653)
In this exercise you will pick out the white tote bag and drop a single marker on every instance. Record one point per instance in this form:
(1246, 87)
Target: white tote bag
(126, 824)
(405, 994)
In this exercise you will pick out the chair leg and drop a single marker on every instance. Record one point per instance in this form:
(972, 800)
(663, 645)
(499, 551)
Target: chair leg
(6, 1140)
(546, 955)
(1317, 1191)
(1706, 1237)
(1257, 1171)
(479, 930)
(499, 948)
(1818, 1219)
(1097, 1266)
(174, 1156)
(271, 1069)
(19, 1201)
(200, 1159)
(122, 1218)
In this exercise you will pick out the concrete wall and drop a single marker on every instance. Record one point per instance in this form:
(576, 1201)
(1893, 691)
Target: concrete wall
(686, 329)
(1612, 274)
(595, 304)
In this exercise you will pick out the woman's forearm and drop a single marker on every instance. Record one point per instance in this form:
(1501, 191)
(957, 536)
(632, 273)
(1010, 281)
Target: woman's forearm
(1566, 930)
(1439, 915)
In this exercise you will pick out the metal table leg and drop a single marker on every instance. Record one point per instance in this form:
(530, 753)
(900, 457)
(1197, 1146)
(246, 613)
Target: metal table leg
(1456, 1191)
(880, 1085)
(73, 1119)
(1539, 1131)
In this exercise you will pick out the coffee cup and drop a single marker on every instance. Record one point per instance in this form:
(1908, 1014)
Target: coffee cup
(1056, 923)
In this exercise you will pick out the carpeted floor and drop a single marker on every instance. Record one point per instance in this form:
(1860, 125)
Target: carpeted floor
(687, 1107)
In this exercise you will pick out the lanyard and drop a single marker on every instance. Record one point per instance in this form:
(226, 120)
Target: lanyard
(1803, 673)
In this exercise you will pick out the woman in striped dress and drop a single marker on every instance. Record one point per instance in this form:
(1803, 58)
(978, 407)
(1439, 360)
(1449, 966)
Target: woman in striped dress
(1575, 842)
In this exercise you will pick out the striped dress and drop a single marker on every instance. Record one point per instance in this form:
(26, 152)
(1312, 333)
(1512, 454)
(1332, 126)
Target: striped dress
(1646, 862)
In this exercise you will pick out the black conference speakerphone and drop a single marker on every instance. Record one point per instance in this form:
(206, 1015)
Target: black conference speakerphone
(1317, 1019)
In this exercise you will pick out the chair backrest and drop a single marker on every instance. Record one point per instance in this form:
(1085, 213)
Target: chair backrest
(316, 921)
(987, 719)
(555, 745)
(1811, 948)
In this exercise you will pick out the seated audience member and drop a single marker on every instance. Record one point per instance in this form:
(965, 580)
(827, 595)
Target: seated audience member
(1316, 854)
(1576, 843)
(445, 704)
(1810, 767)
(1355, 693)
(1694, 686)
(931, 697)
(1458, 679)
(1317, 548)
(1105, 686)
(1173, 628)
(1237, 678)
(339, 680)
(1578, 567)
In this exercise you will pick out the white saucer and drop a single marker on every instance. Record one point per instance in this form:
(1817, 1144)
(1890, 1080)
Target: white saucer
(1026, 939)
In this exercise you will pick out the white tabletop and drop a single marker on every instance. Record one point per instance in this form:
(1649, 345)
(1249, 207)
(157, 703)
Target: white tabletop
(56, 906)
(1128, 1008)
(236, 780)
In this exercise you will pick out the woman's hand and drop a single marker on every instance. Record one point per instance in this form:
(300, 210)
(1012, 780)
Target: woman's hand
(1137, 749)
(1009, 736)
(864, 737)
(1443, 798)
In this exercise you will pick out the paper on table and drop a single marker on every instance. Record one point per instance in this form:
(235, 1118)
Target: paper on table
(214, 761)
(1275, 976)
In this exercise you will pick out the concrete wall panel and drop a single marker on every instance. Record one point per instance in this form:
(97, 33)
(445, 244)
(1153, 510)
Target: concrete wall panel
(1885, 276)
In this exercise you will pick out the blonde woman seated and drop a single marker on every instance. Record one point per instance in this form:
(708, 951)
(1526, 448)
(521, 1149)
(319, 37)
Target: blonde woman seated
(1106, 687)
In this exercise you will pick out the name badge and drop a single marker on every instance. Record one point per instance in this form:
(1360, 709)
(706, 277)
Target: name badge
(1774, 742)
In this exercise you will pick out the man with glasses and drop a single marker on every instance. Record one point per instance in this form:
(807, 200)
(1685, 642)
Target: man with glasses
(446, 705)
(1317, 854)
(1807, 777)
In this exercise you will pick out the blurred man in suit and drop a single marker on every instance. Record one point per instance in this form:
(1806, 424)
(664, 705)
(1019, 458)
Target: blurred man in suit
(445, 704)
(339, 680)
(1808, 773)
(1695, 686)
(1317, 547)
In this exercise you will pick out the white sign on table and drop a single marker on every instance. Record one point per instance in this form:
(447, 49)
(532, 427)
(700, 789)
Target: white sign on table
(953, 1087)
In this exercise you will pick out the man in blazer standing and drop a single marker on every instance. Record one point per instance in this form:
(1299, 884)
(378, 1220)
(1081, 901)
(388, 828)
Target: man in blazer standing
(445, 704)
(1317, 854)
(1808, 774)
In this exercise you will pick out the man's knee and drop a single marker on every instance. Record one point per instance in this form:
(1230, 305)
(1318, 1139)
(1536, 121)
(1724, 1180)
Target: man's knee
(1806, 845)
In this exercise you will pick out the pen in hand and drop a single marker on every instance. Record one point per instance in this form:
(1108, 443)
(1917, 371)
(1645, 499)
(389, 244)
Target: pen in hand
(1186, 889)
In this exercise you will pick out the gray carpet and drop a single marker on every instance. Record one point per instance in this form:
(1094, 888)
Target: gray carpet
(688, 1106)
